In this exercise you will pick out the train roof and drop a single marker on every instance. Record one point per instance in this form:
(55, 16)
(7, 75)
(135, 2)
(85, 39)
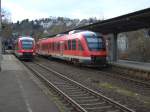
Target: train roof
(25, 37)
(87, 33)
(68, 36)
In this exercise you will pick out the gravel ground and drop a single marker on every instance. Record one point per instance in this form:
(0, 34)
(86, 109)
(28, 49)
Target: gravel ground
(136, 97)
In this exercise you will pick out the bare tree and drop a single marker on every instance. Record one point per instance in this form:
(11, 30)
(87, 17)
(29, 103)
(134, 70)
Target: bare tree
(6, 24)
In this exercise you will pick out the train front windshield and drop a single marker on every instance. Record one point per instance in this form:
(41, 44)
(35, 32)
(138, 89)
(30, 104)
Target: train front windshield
(95, 43)
(27, 44)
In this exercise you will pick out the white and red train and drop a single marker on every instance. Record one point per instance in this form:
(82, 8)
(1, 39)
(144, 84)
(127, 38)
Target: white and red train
(84, 47)
(25, 47)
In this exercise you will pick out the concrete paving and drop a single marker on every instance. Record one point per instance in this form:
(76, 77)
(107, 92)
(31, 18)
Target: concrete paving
(18, 92)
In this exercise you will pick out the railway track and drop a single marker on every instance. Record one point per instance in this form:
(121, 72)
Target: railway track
(79, 97)
(127, 78)
(119, 75)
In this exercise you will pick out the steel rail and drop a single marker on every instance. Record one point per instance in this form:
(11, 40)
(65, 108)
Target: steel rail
(69, 100)
(116, 104)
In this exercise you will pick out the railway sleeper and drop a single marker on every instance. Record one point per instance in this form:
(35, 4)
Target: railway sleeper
(66, 86)
(87, 101)
(114, 110)
(85, 98)
(72, 88)
(60, 84)
(102, 108)
(75, 91)
(92, 105)
(72, 94)
(80, 95)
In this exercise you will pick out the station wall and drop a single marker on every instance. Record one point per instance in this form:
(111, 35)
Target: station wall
(134, 45)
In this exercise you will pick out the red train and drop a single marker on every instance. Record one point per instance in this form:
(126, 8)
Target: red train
(82, 47)
(25, 48)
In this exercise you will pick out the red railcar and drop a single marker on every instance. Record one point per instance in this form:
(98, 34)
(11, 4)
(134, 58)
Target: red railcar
(85, 47)
(25, 48)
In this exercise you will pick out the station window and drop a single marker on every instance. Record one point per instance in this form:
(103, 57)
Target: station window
(74, 44)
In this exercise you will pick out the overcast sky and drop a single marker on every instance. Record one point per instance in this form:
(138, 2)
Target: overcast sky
(35, 9)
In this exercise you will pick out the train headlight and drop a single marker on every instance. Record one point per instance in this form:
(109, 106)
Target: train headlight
(34, 54)
(20, 54)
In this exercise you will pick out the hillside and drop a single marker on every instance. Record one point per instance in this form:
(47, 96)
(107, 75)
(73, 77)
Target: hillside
(48, 26)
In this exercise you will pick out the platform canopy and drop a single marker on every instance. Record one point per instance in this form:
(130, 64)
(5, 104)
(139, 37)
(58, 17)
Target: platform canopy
(129, 22)
(124, 23)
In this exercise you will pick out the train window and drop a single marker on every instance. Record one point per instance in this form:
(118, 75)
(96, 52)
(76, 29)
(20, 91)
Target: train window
(74, 44)
(47, 47)
(42, 46)
(27, 44)
(95, 43)
(80, 48)
(69, 44)
(65, 45)
(53, 46)
(58, 46)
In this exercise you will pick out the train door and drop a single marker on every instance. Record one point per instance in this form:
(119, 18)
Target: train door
(61, 48)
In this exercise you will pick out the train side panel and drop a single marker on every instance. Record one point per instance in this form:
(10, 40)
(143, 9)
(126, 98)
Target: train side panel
(85, 47)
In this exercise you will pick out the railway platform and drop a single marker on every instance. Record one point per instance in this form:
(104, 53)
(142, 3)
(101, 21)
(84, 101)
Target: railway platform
(133, 64)
(136, 69)
(19, 92)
